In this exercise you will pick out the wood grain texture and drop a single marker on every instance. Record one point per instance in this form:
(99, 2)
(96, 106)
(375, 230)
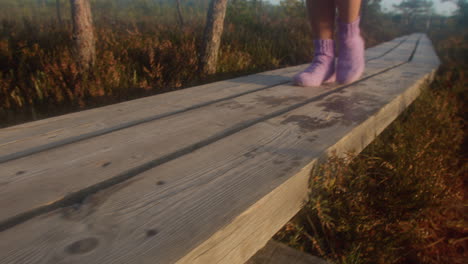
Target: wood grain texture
(58, 129)
(278, 253)
(99, 162)
(257, 220)
(220, 203)
(36, 136)
(425, 55)
(377, 51)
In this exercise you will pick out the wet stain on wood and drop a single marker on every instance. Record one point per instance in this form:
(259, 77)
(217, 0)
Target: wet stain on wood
(354, 108)
(230, 105)
(82, 246)
(251, 153)
(151, 232)
(275, 101)
(308, 124)
(312, 138)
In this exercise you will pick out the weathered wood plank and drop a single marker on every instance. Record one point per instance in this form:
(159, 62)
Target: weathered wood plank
(222, 202)
(402, 50)
(102, 161)
(380, 50)
(425, 55)
(37, 136)
(54, 130)
(277, 253)
(256, 223)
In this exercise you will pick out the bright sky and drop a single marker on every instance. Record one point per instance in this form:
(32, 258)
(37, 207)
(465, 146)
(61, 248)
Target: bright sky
(442, 8)
(445, 8)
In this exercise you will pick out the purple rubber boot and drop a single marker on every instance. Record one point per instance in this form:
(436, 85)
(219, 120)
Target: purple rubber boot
(322, 68)
(351, 63)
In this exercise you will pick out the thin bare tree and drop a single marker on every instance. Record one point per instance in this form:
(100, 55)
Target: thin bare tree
(212, 36)
(83, 33)
(59, 14)
(179, 14)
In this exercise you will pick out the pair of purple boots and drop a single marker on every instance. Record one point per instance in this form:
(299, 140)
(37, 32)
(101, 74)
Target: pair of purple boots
(350, 64)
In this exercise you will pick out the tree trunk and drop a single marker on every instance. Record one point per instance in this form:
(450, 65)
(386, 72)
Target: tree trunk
(179, 14)
(83, 33)
(59, 14)
(212, 36)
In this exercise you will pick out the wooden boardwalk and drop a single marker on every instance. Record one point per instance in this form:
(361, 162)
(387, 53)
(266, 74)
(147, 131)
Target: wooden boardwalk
(202, 175)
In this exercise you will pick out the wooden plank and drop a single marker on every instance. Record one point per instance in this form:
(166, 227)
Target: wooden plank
(220, 203)
(71, 171)
(425, 55)
(380, 50)
(278, 253)
(402, 50)
(37, 136)
(257, 223)
(52, 130)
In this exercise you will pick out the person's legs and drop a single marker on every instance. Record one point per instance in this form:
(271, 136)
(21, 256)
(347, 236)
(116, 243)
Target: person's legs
(322, 19)
(348, 10)
(350, 65)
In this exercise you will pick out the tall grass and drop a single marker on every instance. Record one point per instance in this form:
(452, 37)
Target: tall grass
(135, 57)
(141, 50)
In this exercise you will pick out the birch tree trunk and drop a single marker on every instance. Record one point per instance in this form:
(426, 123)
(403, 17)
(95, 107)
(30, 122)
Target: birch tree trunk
(212, 36)
(83, 33)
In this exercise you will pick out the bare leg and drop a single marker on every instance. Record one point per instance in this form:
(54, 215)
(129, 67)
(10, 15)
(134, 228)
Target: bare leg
(322, 18)
(348, 10)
